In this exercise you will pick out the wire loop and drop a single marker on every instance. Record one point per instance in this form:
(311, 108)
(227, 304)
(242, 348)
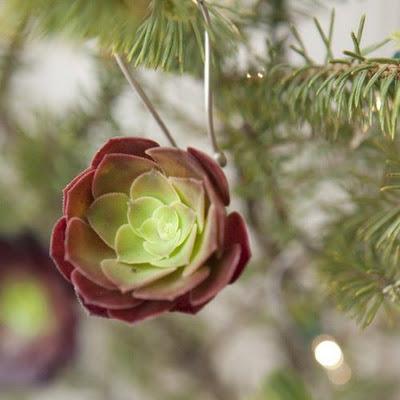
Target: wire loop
(137, 87)
(208, 92)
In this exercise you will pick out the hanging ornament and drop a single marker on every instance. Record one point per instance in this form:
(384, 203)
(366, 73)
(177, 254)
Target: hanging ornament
(145, 231)
(37, 315)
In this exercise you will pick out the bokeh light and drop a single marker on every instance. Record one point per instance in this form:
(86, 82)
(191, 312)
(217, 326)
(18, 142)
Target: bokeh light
(328, 353)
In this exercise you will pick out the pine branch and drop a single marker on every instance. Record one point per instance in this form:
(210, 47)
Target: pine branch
(358, 275)
(356, 89)
(165, 34)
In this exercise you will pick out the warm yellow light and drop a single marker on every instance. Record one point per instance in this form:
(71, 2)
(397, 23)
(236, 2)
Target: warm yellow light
(248, 75)
(328, 353)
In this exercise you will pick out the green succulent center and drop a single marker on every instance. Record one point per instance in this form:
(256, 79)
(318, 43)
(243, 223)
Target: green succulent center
(167, 222)
(154, 229)
(24, 307)
(161, 228)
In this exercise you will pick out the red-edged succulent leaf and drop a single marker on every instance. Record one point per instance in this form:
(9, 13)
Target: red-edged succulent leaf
(148, 309)
(85, 251)
(177, 163)
(184, 305)
(95, 311)
(220, 211)
(173, 286)
(221, 275)
(78, 197)
(236, 232)
(106, 215)
(57, 249)
(96, 295)
(72, 183)
(214, 172)
(124, 145)
(116, 172)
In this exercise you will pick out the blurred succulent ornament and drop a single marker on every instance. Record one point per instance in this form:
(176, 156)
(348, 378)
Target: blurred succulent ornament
(145, 231)
(37, 314)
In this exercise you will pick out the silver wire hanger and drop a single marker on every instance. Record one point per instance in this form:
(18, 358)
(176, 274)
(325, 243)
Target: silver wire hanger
(135, 85)
(219, 156)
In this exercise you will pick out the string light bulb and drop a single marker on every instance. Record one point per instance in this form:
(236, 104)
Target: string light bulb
(328, 353)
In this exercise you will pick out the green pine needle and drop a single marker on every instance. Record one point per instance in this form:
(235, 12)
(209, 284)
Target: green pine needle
(160, 34)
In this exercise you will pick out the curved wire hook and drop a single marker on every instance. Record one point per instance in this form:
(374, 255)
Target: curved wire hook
(136, 86)
(208, 92)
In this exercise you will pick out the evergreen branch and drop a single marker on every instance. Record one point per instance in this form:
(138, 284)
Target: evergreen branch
(356, 274)
(362, 249)
(302, 48)
(357, 90)
(327, 40)
(153, 33)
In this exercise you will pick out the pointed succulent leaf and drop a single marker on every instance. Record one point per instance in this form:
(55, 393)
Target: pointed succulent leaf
(85, 251)
(141, 210)
(176, 162)
(57, 249)
(181, 255)
(128, 278)
(78, 197)
(153, 184)
(163, 248)
(214, 172)
(221, 275)
(116, 172)
(206, 243)
(236, 232)
(98, 296)
(148, 309)
(129, 247)
(192, 194)
(149, 232)
(172, 286)
(106, 215)
(124, 145)
(167, 222)
(183, 304)
(186, 220)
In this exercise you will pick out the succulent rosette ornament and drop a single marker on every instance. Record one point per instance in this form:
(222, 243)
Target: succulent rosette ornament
(38, 316)
(145, 231)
